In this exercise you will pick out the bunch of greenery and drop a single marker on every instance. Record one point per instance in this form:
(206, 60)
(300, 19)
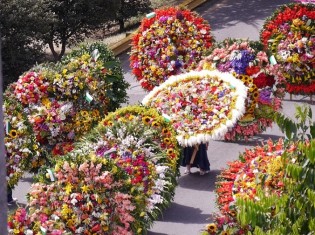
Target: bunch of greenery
(294, 211)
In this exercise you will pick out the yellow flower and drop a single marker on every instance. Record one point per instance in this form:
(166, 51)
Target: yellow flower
(85, 189)
(84, 113)
(95, 113)
(68, 188)
(165, 131)
(65, 210)
(225, 232)
(167, 140)
(155, 124)
(255, 94)
(46, 102)
(170, 151)
(233, 213)
(212, 228)
(110, 123)
(146, 119)
(13, 134)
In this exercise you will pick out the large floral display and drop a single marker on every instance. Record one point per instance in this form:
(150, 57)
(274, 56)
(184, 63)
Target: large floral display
(143, 144)
(116, 180)
(260, 169)
(111, 67)
(201, 105)
(169, 42)
(247, 62)
(269, 190)
(65, 100)
(81, 195)
(22, 150)
(289, 35)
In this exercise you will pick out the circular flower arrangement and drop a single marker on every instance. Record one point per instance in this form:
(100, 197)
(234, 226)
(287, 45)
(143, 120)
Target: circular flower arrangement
(63, 101)
(31, 87)
(250, 64)
(201, 105)
(21, 148)
(258, 169)
(170, 42)
(110, 66)
(88, 194)
(142, 143)
(289, 35)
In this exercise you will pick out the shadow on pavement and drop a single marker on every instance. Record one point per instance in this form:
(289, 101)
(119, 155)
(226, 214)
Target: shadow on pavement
(227, 14)
(29, 179)
(183, 214)
(199, 182)
(153, 233)
(12, 207)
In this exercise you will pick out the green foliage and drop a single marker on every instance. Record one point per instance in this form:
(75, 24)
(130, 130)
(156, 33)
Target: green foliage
(293, 212)
(117, 94)
(71, 20)
(303, 129)
(130, 9)
(20, 26)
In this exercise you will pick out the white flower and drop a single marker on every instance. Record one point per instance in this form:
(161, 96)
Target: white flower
(74, 201)
(161, 169)
(29, 232)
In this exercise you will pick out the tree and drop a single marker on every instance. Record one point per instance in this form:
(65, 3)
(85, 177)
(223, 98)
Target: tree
(20, 26)
(70, 21)
(129, 8)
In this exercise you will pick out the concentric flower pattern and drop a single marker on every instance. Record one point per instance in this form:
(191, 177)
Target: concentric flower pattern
(170, 43)
(201, 105)
(247, 62)
(258, 169)
(289, 35)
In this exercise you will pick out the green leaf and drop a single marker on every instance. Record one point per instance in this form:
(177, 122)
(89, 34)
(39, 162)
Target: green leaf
(312, 131)
(111, 64)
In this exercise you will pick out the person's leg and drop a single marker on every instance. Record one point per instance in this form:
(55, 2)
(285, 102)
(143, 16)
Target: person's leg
(204, 163)
(188, 167)
(10, 198)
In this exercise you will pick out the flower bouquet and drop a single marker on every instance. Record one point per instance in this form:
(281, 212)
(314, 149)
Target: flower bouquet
(21, 148)
(169, 43)
(63, 101)
(247, 62)
(31, 88)
(289, 35)
(85, 195)
(110, 68)
(143, 144)
(259, 169)
(201, 105)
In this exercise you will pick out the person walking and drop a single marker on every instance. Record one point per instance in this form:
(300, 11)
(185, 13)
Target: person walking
(196, 156)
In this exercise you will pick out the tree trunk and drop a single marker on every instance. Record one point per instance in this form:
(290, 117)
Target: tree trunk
(53, 51)
(121, 25)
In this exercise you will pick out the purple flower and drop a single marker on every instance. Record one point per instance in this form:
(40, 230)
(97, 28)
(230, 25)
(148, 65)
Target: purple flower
(224, 67)
(179, 15)
(240, 64)
(163, 19)
(178, 64)
(264, 96)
